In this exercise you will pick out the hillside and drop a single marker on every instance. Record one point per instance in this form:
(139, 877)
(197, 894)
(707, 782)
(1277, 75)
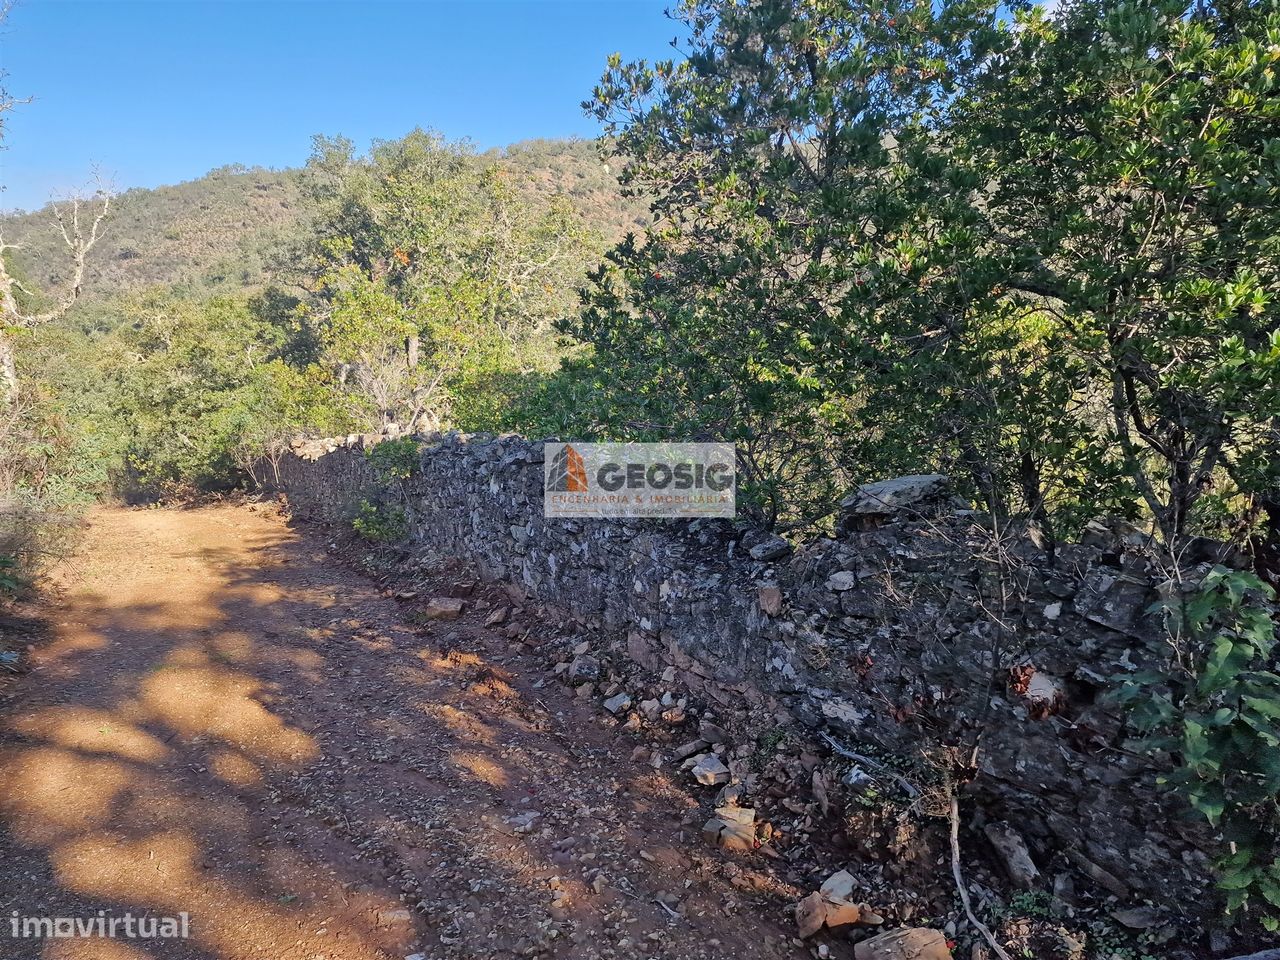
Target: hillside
(224, 230)
(574, 168)
(188, 233)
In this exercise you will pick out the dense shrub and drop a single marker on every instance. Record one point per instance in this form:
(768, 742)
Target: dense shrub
(1217, 711)
(901, 237)
(380, 522)
(394, 460)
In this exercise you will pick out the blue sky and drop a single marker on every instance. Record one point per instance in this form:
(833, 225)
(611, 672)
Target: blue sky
(163, 91)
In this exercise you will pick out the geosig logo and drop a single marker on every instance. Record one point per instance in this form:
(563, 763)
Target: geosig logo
(639, 479)
(661, 476)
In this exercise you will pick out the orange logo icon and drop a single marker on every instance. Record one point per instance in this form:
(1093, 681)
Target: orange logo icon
(567, 473)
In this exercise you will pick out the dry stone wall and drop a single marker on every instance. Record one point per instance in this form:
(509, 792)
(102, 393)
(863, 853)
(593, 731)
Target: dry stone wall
(885, 637)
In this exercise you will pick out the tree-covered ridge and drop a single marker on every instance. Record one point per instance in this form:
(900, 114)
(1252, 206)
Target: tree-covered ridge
(214, 233)
(417, 282)
(226, 230)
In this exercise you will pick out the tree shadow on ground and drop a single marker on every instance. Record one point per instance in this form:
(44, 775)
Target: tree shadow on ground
(226, 724)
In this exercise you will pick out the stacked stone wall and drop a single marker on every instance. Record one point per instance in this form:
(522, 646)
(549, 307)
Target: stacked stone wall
(886, 636)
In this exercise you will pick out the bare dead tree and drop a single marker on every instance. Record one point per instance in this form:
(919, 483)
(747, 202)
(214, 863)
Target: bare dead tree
(7, 100)
(80, 221)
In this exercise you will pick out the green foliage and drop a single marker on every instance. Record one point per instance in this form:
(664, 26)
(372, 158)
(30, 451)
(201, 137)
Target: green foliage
(180, 369)
(1033, 903)
(380, 522)
(767, 743)
(1218, 713)
(45, 470)
(902, 237)
(422, 247)
(739, 315)
(396, 459)
(161, 395)
(231, 229)
(1145, 210)
(205, 392)
(434, 276)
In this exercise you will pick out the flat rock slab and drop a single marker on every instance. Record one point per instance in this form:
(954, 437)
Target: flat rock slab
(909, 943)
(888, 496)
(443, 608)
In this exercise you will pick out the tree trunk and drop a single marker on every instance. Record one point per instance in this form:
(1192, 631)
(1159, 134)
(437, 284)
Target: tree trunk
(1182, 496)
(1039, 524)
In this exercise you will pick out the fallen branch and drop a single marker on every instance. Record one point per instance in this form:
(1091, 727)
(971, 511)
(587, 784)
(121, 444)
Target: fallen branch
(671, 913)
(962, 889)
(907, 786)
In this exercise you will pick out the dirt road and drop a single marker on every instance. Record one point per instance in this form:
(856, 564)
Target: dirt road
(225, 723)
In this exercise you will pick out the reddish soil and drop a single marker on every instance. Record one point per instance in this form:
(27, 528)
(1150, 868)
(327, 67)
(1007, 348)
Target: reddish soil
(223, 721)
